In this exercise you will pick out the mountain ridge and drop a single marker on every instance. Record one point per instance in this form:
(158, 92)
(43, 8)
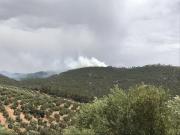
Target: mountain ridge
(90, 82)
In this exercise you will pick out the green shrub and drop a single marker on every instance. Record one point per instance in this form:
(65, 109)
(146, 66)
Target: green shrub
(4, 132)
(142, 110)
(75, 131)
(174, 106)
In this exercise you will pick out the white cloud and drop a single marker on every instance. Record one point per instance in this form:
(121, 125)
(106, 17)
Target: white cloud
(84, 62)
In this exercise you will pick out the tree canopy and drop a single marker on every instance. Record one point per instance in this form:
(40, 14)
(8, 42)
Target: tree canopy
(142, 110)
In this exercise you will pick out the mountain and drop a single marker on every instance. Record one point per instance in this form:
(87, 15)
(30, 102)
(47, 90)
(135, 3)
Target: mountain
(85, 83)
(25, 76)
(41, 74)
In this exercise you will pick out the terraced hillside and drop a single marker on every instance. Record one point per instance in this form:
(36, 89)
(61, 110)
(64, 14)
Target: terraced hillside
(31, 112)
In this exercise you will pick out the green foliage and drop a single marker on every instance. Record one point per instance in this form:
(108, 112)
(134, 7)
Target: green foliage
(86, 83)
(75, 131)
(148, 111)
(142, 110)
(5, 132)
(174, 106)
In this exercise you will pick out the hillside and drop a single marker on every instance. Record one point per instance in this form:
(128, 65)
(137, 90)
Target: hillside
(85, 83)
(24, 111)
(6, 80)
(35, 75)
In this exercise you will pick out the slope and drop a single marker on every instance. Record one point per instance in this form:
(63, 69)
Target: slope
(85, 83)
(31, 112)
(6, 80)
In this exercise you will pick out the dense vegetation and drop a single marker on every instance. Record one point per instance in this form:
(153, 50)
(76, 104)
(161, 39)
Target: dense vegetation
(43, 106)
(8, 81)
(143, 110)
(4, 131)
(30, 112)
(86, 83)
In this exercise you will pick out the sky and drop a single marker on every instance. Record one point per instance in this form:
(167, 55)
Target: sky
(58, 35)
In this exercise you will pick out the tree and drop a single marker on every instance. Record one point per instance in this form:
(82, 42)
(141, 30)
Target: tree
(76, 131)
(142, 110)
(174, 107)
(5, 132)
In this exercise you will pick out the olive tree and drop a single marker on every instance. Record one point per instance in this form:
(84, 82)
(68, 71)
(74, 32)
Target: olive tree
(141, 110)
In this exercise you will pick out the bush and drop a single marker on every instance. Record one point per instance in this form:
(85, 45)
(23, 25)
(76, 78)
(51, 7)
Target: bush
(49, 132)
(174, 107)
(75, 131)
(4, 132)
(142, 110)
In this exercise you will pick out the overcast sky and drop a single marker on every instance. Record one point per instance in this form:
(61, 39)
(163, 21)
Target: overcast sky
(63, 34)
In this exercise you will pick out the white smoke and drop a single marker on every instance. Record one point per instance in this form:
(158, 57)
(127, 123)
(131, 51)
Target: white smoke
(84, 62)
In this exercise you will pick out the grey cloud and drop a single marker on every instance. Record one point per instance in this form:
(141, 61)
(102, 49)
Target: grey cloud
(43, 34)
(97, 13)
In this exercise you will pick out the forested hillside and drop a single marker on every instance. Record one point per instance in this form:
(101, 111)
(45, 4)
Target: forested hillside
(25, 76)
(8, 81)
(85, 83)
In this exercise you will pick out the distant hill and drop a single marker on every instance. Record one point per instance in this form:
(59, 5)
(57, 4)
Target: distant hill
(86, 83)
(25, 76)
(41, 74)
